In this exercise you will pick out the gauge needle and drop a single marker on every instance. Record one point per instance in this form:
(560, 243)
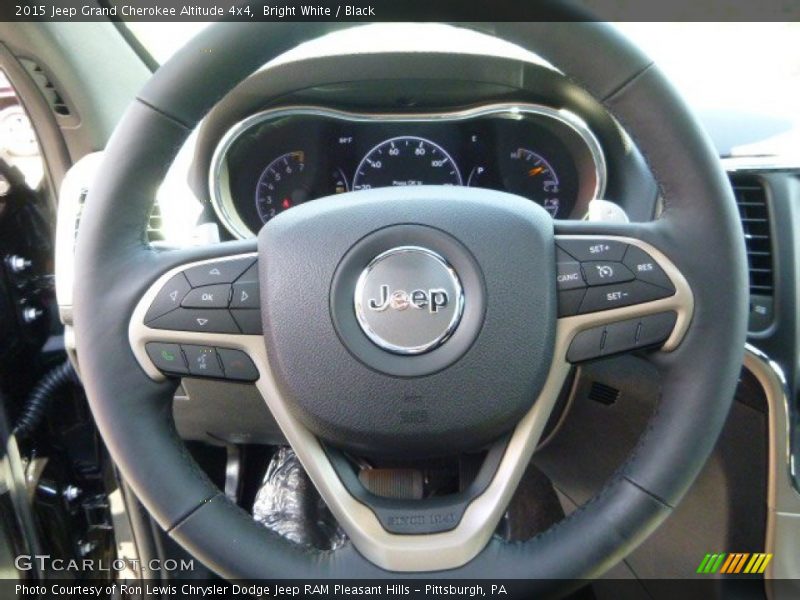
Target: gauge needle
(535, 171)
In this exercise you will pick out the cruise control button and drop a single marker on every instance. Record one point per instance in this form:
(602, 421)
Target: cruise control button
(624, 294)
(620, 336)
(237, 365)
(655, 329)
(593, 249)
(568, 275)
(167, 357)
(245, 295)
(249, 320)
(586, 345)
(190, 319)
(223, 271)
(202, 361)
(168, 298)
(209, 296)
(603, 273)
(569, 302)
(645, 268)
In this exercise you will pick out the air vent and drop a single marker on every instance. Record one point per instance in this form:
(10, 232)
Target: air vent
(604, 394)
(54, 98)
(155, 227)
(79, 211)
(751, 198)
(155, 231)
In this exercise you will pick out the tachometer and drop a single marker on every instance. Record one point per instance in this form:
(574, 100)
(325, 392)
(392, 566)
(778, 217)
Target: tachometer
(282, 185)
(286, 182)
(526, 173)
(406, 160)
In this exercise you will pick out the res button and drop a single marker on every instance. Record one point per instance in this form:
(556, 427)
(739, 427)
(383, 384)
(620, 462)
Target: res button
(646, 269)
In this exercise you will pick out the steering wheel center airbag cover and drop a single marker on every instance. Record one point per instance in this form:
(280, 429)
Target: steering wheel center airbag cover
(408, 300)
(476, 363)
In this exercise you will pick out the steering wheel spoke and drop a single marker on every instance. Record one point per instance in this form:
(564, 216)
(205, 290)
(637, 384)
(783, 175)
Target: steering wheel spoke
(618, 293)
(201, 319)
(189, 323)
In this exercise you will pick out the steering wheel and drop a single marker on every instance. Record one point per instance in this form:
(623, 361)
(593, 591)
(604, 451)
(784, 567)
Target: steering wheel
(413, 322)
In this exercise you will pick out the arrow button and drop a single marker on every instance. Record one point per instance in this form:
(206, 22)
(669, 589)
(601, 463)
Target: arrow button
(205, 320)
(168, 298)
(245, 295)
(222, 271)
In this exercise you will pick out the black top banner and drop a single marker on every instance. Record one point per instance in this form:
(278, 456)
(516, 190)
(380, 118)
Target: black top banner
(400, 10)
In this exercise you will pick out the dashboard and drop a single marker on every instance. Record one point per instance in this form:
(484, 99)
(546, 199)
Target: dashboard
(279, 158)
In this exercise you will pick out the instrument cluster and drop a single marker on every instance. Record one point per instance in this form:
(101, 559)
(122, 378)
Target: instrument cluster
(280, 158)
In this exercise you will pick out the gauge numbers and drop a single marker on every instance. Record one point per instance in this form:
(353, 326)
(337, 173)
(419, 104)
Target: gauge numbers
(406, 160)
(527, 174)
(286, 182)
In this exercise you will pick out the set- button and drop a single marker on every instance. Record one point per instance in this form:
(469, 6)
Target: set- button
(594, 275)
(215, 297)
(202, 361)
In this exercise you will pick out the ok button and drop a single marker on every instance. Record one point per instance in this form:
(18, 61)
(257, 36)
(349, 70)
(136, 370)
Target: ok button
(208, 296)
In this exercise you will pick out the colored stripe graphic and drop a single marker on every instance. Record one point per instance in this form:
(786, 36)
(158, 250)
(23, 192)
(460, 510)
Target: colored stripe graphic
(734, 563)
(715, 567)
(711, 563)
(763, 566)
(727, 564)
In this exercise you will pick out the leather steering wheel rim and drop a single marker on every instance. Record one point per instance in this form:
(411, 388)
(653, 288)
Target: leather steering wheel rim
(698, 229)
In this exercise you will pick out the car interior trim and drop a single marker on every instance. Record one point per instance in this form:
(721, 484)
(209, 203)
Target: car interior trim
(783, 498)
(760, 163)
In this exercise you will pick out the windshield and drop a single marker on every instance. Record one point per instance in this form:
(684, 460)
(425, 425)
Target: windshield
(748, 67)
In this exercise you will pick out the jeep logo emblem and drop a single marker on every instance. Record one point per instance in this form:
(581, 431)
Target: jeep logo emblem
(408, 300)
(433, 299)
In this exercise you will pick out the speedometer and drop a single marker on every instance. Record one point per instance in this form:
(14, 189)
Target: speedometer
(406, 160)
